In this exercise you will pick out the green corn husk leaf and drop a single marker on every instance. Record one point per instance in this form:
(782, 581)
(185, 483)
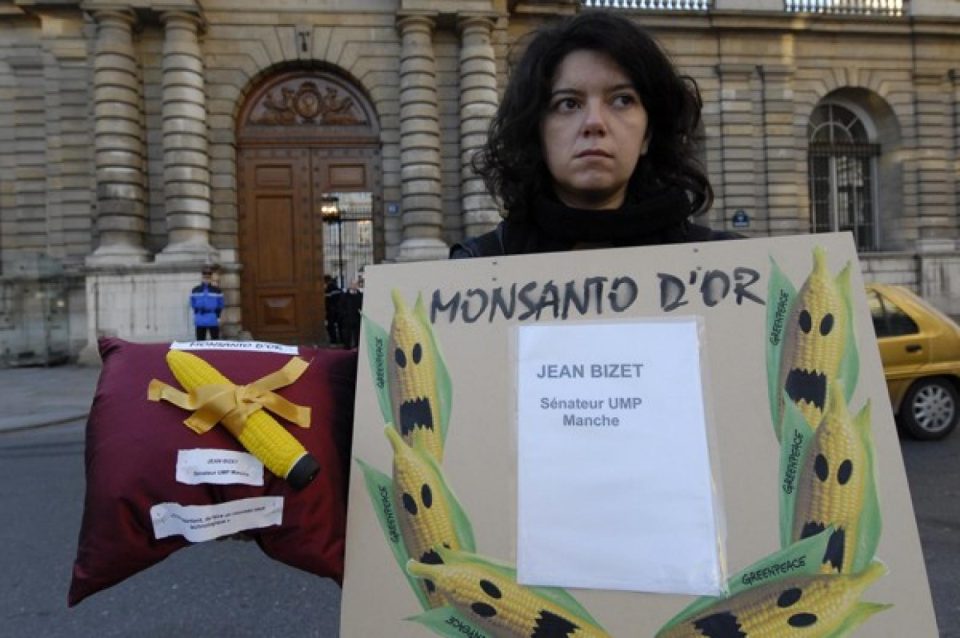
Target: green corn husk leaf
(780, 295)
(802, 558)
(444, 382)
(849, 372)
(380, 489)
(871, 522)
(449, 623)
(377, 345)
(797, 436)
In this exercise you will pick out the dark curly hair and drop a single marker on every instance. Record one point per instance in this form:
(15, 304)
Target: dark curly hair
(512, 164)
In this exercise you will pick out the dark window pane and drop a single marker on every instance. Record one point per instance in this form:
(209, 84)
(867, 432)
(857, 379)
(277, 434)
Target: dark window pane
(899, 323)
(877, 314)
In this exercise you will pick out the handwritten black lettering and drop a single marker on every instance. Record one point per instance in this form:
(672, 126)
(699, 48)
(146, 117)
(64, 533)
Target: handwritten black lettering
(484, 299)
(715, 287)
(623, 292)
(672, 290)
(740, 287)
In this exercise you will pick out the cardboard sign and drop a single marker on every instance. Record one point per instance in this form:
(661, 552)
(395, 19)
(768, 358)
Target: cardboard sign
(808, 500)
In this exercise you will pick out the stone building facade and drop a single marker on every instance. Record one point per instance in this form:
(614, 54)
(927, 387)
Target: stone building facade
(287, 140)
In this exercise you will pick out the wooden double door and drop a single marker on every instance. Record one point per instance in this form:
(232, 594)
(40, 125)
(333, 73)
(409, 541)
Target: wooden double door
(281, 234)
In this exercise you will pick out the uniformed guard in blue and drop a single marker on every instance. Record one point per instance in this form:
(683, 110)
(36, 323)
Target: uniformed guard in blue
(206, 300)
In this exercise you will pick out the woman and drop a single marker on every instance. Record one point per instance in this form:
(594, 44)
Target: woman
(593, 145)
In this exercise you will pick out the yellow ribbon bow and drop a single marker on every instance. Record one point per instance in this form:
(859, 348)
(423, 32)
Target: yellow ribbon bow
(232, 404)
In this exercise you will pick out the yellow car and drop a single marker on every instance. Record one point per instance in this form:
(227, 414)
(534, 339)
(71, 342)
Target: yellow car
(920, 349)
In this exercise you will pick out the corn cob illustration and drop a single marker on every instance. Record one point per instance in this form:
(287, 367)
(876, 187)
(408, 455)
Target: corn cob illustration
(262, 435)
(831, 489)
(425, 510)
(492, 599)
(799, 607)
(816, 335)
(412, 377)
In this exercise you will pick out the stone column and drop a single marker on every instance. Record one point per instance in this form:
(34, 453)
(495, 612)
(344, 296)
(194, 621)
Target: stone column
(422, 219)
(784, 160)
(954, 76)
(738, 186)
(118, 142)
(186, 161)
(25, 146)
(68, 164)
(936, 223)
(478, 104)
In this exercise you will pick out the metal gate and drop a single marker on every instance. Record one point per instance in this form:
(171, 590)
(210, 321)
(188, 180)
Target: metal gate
(347, 235)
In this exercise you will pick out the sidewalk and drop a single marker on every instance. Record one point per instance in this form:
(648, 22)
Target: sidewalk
(36, 396)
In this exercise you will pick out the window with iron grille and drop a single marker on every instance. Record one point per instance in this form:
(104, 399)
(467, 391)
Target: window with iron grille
(842, 168)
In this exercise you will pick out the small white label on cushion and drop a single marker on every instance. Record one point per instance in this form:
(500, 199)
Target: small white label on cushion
(198, 523)
(220, 467)
(239, 346)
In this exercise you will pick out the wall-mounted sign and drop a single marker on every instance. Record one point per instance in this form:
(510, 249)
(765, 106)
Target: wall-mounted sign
(740, 219)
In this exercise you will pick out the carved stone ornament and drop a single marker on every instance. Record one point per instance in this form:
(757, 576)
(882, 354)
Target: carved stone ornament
(302, 102)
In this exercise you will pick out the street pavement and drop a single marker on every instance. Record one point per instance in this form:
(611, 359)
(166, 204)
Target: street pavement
(38, 396)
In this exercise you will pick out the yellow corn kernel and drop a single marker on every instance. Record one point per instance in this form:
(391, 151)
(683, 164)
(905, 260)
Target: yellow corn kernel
(816, 335)
(423, 510)
(497, 604)
(800, 607)
(831, 489)
(261, 435)
(412, 377)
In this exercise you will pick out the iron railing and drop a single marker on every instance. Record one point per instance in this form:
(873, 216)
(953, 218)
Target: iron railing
(653, 5)
(848, 7)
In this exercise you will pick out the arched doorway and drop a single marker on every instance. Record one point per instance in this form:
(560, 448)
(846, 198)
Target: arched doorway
(308, 172)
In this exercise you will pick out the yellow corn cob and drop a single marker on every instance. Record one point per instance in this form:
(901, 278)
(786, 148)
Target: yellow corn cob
(497, 604)
(832, 485)
(801, 607)
(262, 436)
(424, 512)
(816, 335)
(412, 376)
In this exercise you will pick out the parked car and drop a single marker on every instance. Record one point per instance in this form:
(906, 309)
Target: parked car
(920, 349)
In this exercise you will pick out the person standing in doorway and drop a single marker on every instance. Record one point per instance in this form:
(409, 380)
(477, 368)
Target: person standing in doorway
(351, 303)
(206, 300)
(332, 294)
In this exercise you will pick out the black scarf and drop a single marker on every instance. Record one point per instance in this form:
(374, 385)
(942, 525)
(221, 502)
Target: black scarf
(660, 218)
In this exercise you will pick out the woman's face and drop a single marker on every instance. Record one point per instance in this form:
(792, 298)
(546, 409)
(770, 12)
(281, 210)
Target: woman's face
(594, 131)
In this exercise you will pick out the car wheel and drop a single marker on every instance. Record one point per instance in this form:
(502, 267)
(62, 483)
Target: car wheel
(930, 409)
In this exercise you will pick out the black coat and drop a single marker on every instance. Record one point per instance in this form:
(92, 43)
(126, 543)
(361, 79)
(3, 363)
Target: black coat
(492, 244)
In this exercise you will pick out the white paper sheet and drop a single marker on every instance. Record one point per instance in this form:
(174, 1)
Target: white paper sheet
(239, 346)
(198, 523)
(614, 480)
(219, 467)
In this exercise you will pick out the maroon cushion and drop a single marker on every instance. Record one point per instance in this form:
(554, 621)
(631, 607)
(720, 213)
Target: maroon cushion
(131, 456)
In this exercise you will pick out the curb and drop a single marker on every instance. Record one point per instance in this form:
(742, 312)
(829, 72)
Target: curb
(13, 424)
